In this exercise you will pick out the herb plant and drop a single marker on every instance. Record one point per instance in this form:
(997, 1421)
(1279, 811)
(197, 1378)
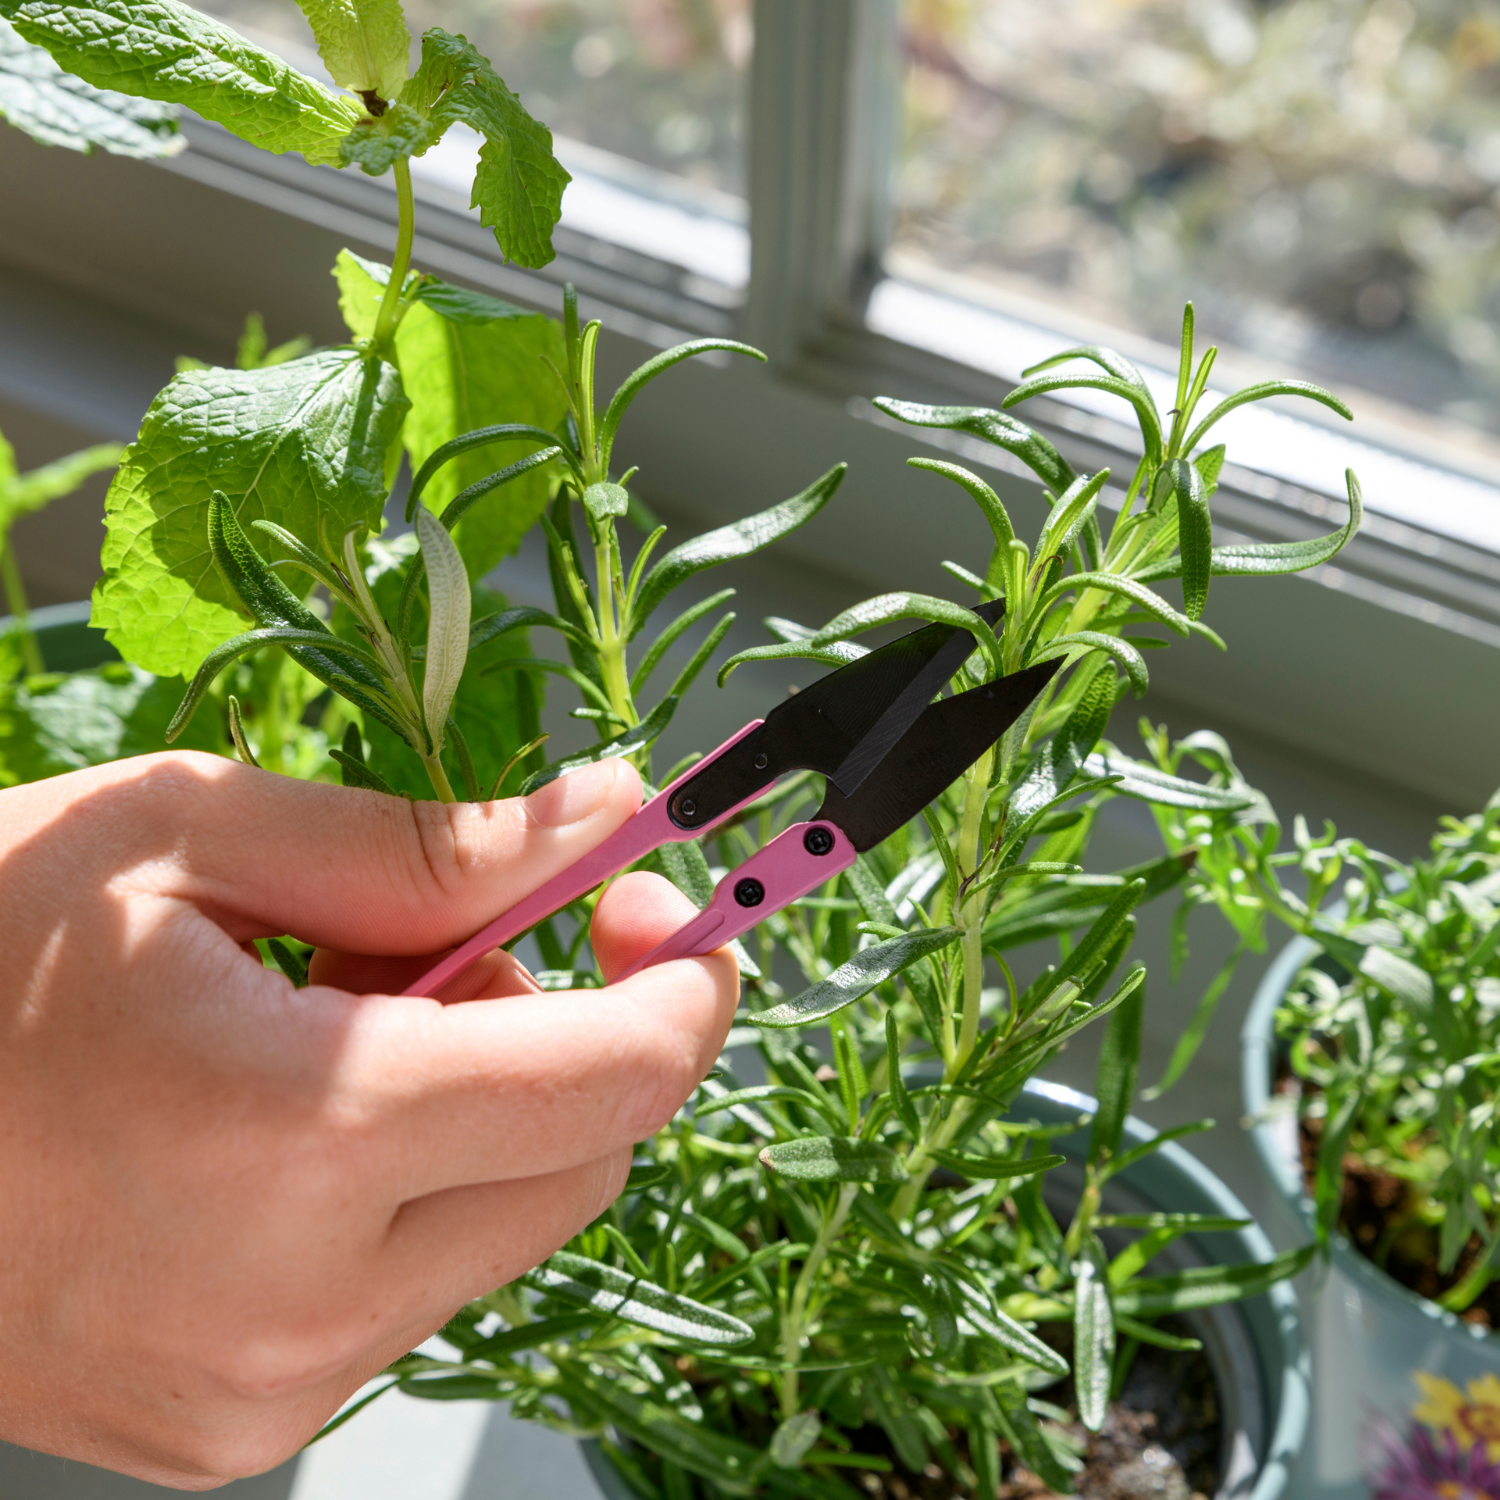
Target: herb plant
(1392, 1031)
(859, 1248)
(854, 1263)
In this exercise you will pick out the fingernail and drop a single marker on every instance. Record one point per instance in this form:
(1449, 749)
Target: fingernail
(575, 796)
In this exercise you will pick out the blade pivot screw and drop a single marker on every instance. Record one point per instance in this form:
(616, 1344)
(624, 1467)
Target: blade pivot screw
(688, 808)
(817, 841)
(762, 761)
(749, 892)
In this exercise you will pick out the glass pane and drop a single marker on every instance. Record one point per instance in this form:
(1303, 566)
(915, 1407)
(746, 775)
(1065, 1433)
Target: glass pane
(660, 82)
(1320, 176)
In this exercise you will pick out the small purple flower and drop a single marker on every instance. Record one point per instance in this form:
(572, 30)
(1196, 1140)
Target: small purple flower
(1432, 1466)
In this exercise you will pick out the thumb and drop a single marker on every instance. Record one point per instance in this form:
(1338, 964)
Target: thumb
(368, 873)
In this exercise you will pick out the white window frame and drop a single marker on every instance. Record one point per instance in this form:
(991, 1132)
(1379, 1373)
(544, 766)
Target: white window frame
(1347, 678)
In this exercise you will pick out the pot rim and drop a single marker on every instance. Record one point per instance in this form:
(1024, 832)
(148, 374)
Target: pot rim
(1257, 1063)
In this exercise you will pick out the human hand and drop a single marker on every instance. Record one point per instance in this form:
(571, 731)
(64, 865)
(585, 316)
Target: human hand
(225, 1203)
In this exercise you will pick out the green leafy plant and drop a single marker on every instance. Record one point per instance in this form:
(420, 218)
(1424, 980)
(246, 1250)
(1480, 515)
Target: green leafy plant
(854, 1264)
(1392, 1031)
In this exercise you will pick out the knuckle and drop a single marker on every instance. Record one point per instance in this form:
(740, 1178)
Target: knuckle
(443, 850)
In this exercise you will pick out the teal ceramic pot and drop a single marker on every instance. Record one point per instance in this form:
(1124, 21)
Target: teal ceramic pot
(1399, 1385)
(67, 640)
(1254, 1347)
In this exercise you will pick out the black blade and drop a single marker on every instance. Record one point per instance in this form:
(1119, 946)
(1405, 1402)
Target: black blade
(823, 727)
(944, 742)
(876, 743)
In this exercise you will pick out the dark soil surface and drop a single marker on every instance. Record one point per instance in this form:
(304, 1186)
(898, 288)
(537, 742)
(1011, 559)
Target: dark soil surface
(1377, 1218)
(1161, 1441)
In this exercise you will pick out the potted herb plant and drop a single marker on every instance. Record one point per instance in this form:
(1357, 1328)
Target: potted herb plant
(1369, 1066)
(863, 1268)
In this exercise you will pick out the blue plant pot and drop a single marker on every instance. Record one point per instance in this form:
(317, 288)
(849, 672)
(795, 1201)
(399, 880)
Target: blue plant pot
(1255, 1347)
(1380, 1353)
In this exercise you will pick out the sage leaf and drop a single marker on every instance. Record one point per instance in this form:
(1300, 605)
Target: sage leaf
(794, 1438)
(1137, 395)
(993, 427)
(286, 443)
(1066, 753)
(1195, 534)
(982, 495)
(519, 185)
(1000, 1328)
(364, 44)
(1093, 1336)
(56, 109)
(466, 359)
(729, 542)
(608, 1290)
(855, 979)
(1208, 1286)
(602, 502)
(448, 623)
(833, 1158)
(1261, 392)
(1081, 642)
(1115, 1080)
(886, 609)
(995, 1168)
(1148, 784)
(166, 51)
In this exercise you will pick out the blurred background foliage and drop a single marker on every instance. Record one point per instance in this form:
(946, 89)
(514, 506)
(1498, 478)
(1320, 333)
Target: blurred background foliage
(660, 82)
(1319, 176)
(1322, 177)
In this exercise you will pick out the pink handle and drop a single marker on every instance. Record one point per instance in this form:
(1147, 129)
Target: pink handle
(784, 871)
(644, 831)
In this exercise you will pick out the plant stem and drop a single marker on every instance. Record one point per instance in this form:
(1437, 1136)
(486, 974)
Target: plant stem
(919, 1163)
(15, 600)
(390, 305)
(611, 645)
(971, 914)
(792, 1325)
(439, 778)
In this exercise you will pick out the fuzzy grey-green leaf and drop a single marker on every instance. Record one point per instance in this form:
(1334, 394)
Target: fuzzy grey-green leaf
(833, 1158)
(619, 1294)
(855, 979)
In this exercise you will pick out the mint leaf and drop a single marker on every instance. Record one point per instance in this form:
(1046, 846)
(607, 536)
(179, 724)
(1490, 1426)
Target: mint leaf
(57, 723)
(56, 109)
(284, 443)
(376, 145)
(363, 43)
(468, 361)
(519, 185)
(159, 49)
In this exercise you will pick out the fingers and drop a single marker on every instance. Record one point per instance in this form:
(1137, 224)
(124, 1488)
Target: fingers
(452, 1246)
(352, 870)
(496, 974)
(503, 1089)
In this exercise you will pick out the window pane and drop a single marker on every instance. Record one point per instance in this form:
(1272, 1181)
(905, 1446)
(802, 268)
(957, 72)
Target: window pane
(660, 82)
(1320, 176)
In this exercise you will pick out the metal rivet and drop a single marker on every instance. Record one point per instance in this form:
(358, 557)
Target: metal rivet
(817, 841)
(688, 808)
(749, 892)
(762, 761)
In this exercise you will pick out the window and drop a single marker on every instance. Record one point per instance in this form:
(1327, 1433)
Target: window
(1320, 175)
(646, 101)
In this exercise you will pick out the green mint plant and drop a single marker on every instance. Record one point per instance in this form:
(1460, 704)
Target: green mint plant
(1392, 1030)
(856, 1265)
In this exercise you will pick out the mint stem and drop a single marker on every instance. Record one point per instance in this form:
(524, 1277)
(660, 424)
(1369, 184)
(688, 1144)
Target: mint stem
(390, 305)
(15, 599)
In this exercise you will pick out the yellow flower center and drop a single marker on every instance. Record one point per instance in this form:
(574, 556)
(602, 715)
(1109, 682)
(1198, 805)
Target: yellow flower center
(1481, 1422)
